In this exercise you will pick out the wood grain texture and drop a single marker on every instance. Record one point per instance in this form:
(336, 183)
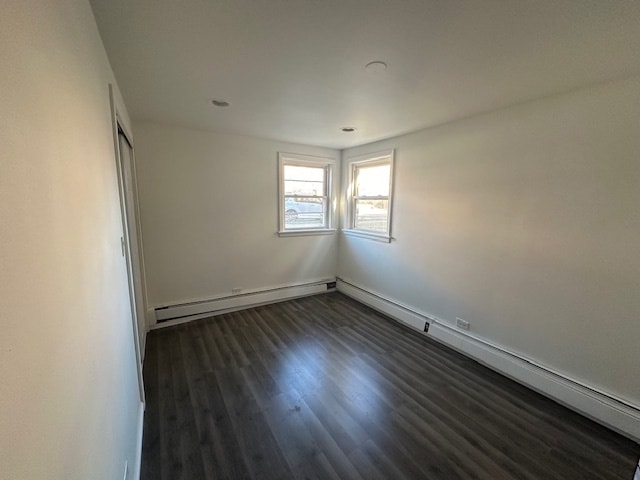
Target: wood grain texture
(324, 387)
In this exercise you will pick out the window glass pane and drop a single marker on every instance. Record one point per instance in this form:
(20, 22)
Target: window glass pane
(371, 215)
(304, 212)
(304, 180)
(373, 181)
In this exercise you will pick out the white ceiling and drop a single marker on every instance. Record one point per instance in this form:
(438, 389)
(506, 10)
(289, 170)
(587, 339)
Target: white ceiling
(293, 70)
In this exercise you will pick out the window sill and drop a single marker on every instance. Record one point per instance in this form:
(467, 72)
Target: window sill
(300, 233)
(378, 237)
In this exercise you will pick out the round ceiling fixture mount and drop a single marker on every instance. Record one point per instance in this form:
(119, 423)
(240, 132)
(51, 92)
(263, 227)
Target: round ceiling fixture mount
(220, 103)
(377, 66)
(348, 129)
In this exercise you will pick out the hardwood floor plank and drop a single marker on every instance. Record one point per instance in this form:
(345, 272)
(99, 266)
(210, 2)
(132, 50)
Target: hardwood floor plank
(503, 416)
(407, 369)
(258, 447)
(227, 456)
(213, 458)
(324, 387)
(365, 466)
(454, 428)
(284, 334)
(170, 459)
(386, 460)
(285, 414)
(220, 344)
(259, 380)
(503, 430)
(151, 449)
(189, 444)
(239, 347)
(256, 332)
(202, 330)
(363, 405)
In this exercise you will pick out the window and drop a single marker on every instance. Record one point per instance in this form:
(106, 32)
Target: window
(370, 196)
(305, 204)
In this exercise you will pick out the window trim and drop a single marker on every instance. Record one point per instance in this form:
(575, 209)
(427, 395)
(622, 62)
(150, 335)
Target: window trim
(353, 163)
(329, 164)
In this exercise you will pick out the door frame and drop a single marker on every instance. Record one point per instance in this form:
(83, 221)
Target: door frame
(134, 261)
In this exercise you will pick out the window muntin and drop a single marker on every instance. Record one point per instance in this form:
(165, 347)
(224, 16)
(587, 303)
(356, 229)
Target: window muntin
(370, 196)
(305, 199)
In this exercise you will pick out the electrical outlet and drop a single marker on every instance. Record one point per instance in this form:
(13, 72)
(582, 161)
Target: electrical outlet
(236, 290)
(463, 324)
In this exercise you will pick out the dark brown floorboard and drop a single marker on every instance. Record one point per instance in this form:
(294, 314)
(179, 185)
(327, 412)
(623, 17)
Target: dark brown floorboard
(324, 387)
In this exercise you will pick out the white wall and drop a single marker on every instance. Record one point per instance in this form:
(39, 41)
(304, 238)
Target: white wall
(68, 394)
(526, 223)
(208, 204)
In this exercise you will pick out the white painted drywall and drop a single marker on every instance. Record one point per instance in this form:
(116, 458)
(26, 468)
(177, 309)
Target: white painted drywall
(69, 405)
(209, 215)
(526, 223)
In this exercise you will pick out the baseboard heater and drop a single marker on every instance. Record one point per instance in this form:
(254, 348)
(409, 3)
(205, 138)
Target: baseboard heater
(241, 300)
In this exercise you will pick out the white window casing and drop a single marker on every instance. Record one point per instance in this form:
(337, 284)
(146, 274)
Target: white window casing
(369, 205)
(306, 203)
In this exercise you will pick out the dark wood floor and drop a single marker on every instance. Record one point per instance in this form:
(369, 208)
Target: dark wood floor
(325, 388)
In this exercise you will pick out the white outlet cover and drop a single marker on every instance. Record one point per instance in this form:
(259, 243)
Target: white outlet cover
(462, 323)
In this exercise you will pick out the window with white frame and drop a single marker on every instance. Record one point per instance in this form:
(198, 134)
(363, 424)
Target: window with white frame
(370, 195)
(305, 194)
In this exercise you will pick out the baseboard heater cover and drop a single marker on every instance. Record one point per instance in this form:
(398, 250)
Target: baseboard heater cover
(244, 300)
(382, 304)
(602, 407)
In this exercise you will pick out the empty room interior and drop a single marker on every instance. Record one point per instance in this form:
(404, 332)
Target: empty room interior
(340, 239)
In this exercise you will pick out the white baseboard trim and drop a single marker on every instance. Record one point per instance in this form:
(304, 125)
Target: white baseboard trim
(614, 413)
(137, 466)
(175, 314)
